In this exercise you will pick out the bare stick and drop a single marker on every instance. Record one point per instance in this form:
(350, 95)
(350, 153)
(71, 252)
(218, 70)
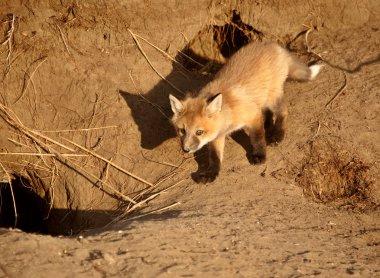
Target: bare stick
(164, 163)
(12, 193)
(106, 184)
(167, 55)
(26, 164)
(64, 40)
(160, 50)
(8, 40)
(341, 89)
(191, 59)
(108, 161)
(78, 129)
(185, 38)
(50, 140)
(309, 30)
(317, 132)
(94, 110)
(150, 189)
(150, 63)
(153, 211)
(18, 143)
(263, 173)
(159, 108)
(46, 154)
(26, 84)
(51, 202)
(31, 134)
(152, 197)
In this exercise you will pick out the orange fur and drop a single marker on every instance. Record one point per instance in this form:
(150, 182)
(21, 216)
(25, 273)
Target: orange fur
(250, 82)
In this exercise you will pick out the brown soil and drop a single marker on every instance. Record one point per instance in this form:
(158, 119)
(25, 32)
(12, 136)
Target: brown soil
(311, 210)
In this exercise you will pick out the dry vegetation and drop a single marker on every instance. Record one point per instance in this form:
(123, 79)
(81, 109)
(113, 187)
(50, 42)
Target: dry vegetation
(332, 173)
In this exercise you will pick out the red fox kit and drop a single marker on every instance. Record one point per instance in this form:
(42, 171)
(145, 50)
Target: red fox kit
(249, 84)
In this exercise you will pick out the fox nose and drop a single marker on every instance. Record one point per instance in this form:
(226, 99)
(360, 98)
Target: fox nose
(186, 149)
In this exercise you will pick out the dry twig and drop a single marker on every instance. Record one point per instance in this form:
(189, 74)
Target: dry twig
(153, 211)
(309, 30)
(159, 108)
(341, 89)
(12, 193)
(45, 154)
(150, 63)
(11, 118)
(30, 76)
(108, 161)
(78, 129)
(163, 52)
(191, 59)
(63, 39)
(164, 163)
(8, 41)
(151, 197)
(107, 185)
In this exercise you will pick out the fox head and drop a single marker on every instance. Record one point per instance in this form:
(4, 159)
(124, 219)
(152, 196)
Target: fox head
(196, 120)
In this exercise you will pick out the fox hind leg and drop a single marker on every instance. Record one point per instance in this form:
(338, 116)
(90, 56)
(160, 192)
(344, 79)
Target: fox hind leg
(275, 123)
(257, 137)
(279, 127)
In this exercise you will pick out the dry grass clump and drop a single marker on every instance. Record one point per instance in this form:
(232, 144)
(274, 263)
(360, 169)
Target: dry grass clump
(331, 173)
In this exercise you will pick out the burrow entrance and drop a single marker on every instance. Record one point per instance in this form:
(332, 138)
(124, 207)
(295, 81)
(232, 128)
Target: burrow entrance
(21, 207)
(210, 48)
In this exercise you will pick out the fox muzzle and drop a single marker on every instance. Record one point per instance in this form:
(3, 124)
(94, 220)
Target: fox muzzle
(190, 144)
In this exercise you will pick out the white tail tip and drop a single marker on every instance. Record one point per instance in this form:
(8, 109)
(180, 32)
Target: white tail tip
(314, 70)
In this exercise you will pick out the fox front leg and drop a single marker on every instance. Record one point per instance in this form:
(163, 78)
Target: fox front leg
(216, 149)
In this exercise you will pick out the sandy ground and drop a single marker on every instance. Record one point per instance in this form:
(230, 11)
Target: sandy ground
(264, 229)
(75, 66)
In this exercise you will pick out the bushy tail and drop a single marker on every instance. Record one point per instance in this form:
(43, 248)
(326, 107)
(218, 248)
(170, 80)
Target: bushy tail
(300, 71)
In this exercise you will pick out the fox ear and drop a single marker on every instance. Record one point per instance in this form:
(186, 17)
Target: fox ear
(176, 104)
(214, 104)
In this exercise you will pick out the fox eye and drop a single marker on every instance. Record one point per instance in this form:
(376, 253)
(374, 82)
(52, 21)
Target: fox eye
(181, 131)
(199, 132)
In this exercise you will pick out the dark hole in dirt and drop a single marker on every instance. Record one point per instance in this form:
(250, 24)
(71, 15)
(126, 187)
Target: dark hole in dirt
(32, 210)
(232, 36)
(209, 48)
(34, 214)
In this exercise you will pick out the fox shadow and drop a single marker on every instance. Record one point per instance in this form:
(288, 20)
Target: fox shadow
(152, 112)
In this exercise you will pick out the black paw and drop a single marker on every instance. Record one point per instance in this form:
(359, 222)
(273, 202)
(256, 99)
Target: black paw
(204, 176)
(276, 136)
(257, 158)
